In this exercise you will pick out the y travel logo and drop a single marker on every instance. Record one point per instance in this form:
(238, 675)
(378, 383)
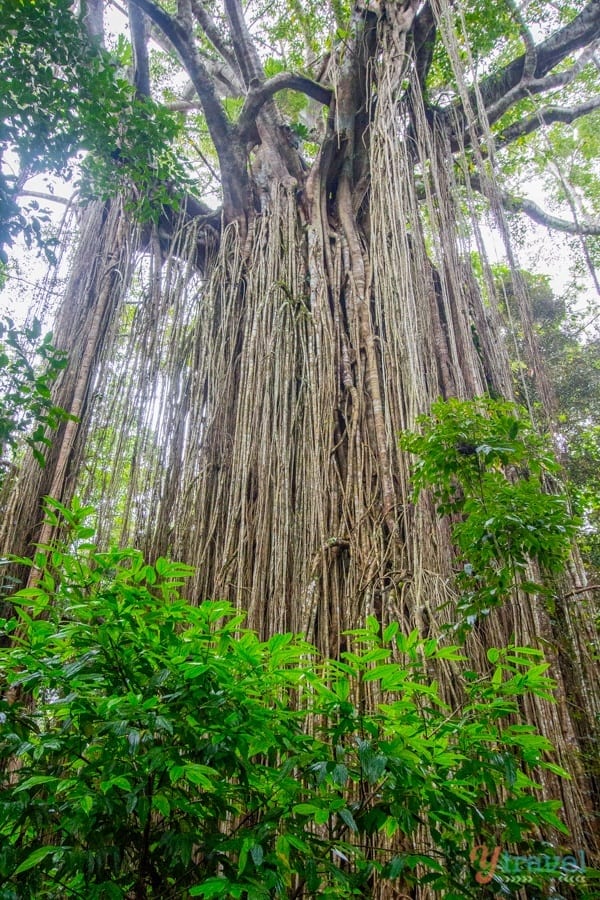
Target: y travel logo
(494, 861)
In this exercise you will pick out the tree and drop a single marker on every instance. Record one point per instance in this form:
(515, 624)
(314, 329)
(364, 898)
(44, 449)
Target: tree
(259, 362)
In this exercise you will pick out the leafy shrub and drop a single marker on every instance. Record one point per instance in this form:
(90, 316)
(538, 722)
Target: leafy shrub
(26, 407)
(156, 749)
(489, 470)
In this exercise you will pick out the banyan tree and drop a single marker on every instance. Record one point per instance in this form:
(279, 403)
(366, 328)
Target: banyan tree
(241, 368)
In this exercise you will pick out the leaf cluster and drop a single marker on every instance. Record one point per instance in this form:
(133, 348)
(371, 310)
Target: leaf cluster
(159, 749)
(29, 364)
(488, 469)
(59, 95)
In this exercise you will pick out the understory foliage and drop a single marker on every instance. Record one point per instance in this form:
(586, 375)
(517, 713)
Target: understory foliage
(162, 750)
(493, 474)
(26, 406)
(61, 93)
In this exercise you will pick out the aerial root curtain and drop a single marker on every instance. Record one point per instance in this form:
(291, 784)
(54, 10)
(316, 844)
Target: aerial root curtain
(244, 417)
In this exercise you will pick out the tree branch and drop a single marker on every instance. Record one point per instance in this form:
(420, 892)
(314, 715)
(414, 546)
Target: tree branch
(231, 159)
(579, 33)
(530, 60)
(502, 89)
(184, 106)
(245, 52)
(92, 14)
(536, 213)
(547, 116)
(210, 29)
(259, 94)
(141, 65)
(183, 43)
(533, 86)
(42, 195)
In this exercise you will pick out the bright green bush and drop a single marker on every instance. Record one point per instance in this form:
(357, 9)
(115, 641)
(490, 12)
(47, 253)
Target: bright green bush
(29, 364)
(489, 470)
(160, 750)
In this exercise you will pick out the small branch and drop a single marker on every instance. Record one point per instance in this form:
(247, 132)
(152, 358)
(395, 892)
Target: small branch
(40, 195)
(204, 159)
(547, 116)
(582, 590)
(523, 205)
(183, 106)
(259, 94)
(210, 29)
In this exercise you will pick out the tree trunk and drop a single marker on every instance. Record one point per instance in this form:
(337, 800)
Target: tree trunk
(89, 310)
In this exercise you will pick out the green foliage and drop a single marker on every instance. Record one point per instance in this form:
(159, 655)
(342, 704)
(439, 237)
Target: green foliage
(26, 408)
(60, 95)
(163, 750)
(487, 468)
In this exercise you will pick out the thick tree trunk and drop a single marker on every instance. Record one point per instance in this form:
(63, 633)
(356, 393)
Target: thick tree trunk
(89, 311)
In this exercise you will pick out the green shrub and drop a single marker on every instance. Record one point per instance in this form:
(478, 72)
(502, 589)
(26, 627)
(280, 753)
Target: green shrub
(489, 470)
(156, 749)
(26, 408)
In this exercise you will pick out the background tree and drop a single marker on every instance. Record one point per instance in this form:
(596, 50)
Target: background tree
(569, 342)
(279, 344)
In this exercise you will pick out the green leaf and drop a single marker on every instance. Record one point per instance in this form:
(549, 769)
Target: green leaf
(390, 631)
(212, 887)
(35, 858)
(118, 781)
(348, 819)
(306, 809)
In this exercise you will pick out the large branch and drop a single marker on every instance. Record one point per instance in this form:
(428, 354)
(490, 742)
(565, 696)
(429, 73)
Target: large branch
(261, 93)
(547, 116)
(141, 64)
(183, 42)
(231, 161)
(577, 34)
(536, 213)
(246, 53)
(92, 12)
(503, 89)
(529, 87)
(210, 29)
